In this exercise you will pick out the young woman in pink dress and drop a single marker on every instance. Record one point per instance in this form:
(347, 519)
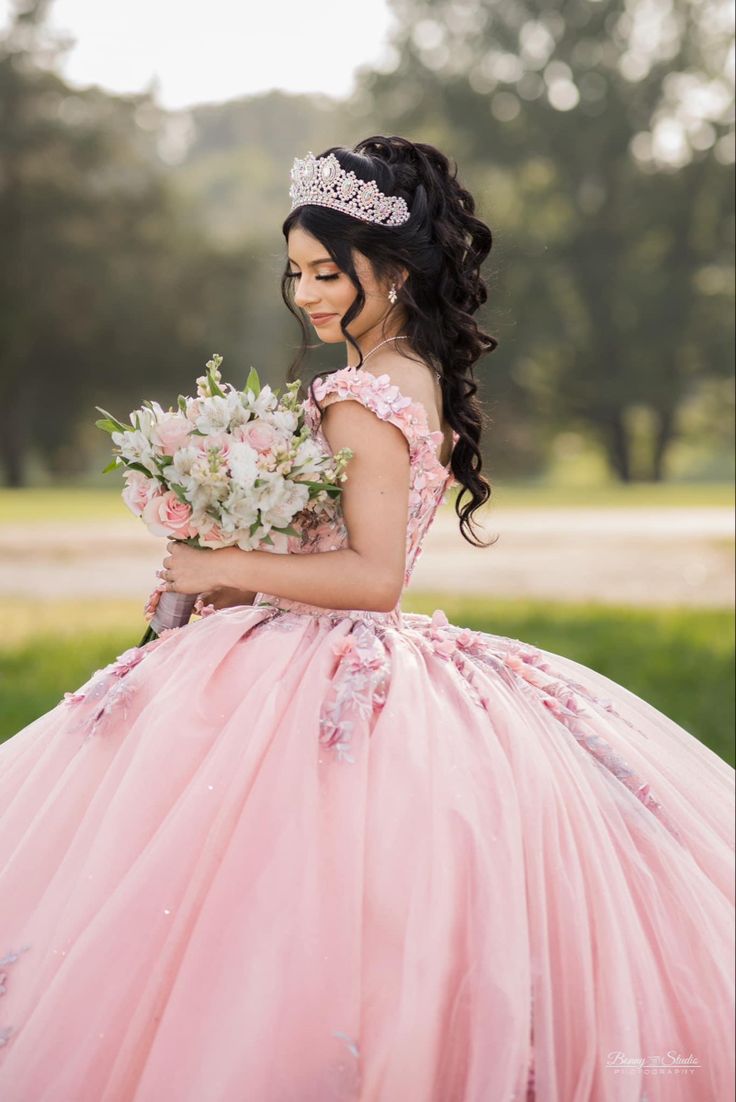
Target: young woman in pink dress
(312, 848)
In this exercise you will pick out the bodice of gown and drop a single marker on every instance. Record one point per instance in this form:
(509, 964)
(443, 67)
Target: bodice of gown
(429, 481)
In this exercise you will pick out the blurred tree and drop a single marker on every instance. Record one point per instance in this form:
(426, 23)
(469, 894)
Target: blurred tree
(600, 136)
(108, 293)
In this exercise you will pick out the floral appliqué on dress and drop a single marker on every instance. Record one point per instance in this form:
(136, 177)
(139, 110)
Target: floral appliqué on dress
(9, 958)
(108, 689)
(358, 688)
(567, 700)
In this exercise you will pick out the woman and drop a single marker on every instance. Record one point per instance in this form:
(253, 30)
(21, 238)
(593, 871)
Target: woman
(312, 848)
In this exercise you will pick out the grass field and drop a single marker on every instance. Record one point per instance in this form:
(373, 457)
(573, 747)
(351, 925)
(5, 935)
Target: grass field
(80, 503)
(681, 661)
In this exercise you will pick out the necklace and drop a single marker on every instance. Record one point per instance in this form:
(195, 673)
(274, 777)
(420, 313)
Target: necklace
(381, 344)
(387, 341)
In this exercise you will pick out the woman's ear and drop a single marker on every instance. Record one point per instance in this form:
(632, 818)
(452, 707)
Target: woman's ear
(397, 278)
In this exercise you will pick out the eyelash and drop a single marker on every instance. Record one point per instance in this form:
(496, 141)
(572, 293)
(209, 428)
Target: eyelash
(296, 275)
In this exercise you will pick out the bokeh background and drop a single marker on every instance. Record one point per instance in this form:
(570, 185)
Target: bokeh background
(144, 161)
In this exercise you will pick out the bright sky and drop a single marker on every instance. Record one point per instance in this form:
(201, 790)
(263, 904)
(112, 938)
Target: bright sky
(218, 50)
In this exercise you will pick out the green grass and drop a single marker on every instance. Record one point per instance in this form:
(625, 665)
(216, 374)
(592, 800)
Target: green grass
(611, 494)
(679, 660)
(82, 504)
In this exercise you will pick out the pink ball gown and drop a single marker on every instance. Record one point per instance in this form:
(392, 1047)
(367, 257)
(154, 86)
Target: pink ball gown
(294, 854)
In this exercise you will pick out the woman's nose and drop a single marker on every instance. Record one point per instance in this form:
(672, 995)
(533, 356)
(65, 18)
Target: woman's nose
(305, 293)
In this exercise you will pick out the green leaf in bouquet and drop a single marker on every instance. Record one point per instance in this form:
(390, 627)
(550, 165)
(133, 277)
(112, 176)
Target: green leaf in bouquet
(317, 486)
(267, 539)
(215, 390)
(138, 467)
(118, 425)
(256, 524)
(115, 463)
(252, 383)
(288, 531)
(164, 460)
(107, 426)
(179, 491)
(182, 403)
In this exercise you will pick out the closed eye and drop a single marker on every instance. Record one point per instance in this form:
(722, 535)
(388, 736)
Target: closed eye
(297, 275)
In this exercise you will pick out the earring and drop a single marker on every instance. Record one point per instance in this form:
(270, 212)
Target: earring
(392, 296)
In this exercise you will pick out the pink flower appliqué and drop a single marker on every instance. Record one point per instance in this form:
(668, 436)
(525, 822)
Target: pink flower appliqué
(358, 689)
(105, 691)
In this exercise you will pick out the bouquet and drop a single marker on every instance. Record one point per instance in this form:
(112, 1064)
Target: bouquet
(226, 468)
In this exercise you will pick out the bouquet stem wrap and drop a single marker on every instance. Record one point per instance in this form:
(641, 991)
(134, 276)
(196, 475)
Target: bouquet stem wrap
(173, 610)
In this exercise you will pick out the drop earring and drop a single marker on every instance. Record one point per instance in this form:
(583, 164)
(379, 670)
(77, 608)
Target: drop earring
(392, 296)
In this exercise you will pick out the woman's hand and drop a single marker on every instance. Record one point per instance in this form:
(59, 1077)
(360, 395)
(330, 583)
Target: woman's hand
(193, 570)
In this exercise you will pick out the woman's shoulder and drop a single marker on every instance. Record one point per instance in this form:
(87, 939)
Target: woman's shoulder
(394, 389)
(393, 378)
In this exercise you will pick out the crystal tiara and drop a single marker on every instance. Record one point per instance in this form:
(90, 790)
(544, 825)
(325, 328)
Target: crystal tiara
(323, 182)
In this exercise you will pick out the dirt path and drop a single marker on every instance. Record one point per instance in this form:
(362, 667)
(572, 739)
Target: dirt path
(618, 555)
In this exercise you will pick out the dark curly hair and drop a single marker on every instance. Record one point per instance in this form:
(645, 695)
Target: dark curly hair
(442, 247)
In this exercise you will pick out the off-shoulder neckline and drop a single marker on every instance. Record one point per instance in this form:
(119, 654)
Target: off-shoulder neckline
(414, 405)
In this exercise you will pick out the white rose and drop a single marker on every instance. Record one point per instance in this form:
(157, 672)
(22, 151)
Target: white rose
(243, 463)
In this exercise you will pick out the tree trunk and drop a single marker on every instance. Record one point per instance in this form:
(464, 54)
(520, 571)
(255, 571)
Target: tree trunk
(663, 436)
(618, 446)
(13, 442)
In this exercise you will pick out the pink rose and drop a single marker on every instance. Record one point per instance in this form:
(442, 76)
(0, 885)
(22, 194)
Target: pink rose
(138, 491)
(219, 440)
(259, 435)
(171, 432)
(165, 515)
(213, 537)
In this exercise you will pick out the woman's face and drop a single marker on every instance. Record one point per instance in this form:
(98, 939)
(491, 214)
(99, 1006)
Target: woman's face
(325, 293)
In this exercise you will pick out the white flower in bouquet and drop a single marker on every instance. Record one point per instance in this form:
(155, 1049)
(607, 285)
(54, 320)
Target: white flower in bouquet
(281, 501)
(240, 510)
(136, 447)
(285, 420)
(308, 457)
(221, 414)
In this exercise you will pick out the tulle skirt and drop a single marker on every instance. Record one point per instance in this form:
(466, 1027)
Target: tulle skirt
(276, 857)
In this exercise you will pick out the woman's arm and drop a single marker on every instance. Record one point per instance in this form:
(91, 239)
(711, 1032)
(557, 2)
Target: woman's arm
(225, 597)
(369, 572)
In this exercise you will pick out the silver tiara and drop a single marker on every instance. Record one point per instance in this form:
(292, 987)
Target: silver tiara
(323, 182)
